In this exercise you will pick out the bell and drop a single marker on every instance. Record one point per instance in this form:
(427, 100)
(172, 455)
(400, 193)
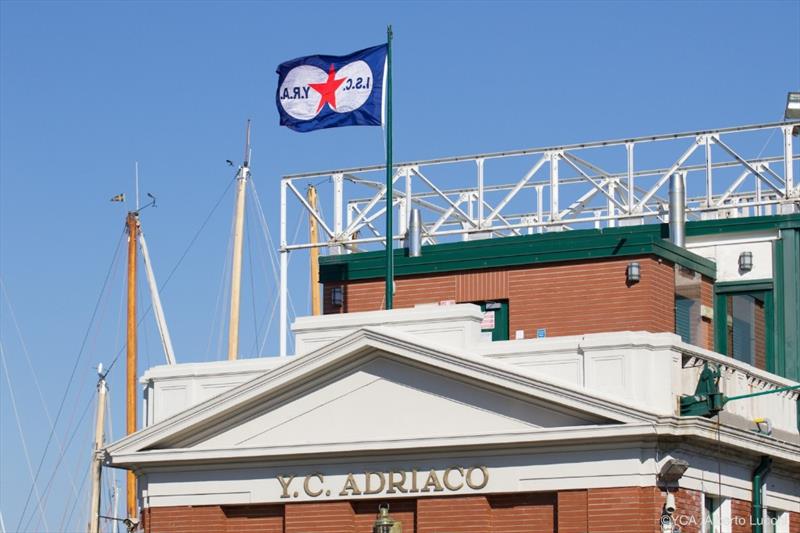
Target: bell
(385, 523)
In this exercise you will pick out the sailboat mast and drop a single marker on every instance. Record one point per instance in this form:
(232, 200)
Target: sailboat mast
(97, 458)
(132, 223)
(236, 264)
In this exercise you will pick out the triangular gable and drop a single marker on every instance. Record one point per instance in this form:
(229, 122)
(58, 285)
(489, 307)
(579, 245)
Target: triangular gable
(376, 385)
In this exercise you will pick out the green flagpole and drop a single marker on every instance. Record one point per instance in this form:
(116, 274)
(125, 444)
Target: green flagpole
(389, 174)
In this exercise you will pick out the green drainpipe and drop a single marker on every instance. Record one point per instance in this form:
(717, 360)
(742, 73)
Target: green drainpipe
(759, 474)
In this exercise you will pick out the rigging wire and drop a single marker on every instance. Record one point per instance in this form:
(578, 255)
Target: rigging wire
(72, 374)
(271, 243)
(196, 235)
(274, 303)
(22, 436)
(75, 504)
(218, 308)
(265, 229)
(269, 326)
(260, 251)
(33, 373)
(79, 466)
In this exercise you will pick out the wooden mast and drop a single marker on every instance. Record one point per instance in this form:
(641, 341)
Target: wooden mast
(313, 252)
(97, 454)
(132, 223)
(236, 264)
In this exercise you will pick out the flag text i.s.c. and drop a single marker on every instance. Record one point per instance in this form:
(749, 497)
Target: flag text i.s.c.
(316, 92)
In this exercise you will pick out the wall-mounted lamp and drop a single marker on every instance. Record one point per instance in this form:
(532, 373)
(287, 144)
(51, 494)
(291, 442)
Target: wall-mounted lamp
(384, 523)
(745, 261)
(672, 470)
(337, 296)
(634, 273)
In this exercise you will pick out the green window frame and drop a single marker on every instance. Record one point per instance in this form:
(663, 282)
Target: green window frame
(762, 289)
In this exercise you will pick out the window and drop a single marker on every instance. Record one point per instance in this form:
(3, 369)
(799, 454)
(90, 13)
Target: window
(744, 328)
(688, 318)
(711, 514)
(775, 521)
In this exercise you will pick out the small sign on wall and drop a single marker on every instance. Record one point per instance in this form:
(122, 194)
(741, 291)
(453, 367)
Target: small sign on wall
(488, 320)
(541, 333)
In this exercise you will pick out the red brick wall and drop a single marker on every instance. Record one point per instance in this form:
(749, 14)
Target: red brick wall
(565, 298)
(624, 509)
(524, 512)
(470, 514)
(328, 517)
(794, 522)
(578, 298)
(221, 519)
(573, 511)
(613, 510)
(740, 516)
(689, 513)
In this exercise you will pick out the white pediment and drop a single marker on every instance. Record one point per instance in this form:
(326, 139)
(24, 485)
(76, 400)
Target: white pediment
(373, 389)
(387, 400)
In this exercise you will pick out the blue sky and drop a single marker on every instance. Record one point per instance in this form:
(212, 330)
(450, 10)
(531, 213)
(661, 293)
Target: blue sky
(87, 88)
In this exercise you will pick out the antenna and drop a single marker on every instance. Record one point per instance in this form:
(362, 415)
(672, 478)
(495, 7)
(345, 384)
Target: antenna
(136, 166)
(247, 146)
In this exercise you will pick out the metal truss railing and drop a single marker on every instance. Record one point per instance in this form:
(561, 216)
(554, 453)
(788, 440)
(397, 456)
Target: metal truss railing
(559, 188)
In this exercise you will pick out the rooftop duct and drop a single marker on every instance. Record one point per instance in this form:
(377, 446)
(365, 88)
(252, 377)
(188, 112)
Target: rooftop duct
(677, 210)
(415, 234)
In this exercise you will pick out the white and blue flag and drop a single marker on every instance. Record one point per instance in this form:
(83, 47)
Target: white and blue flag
(316, 92)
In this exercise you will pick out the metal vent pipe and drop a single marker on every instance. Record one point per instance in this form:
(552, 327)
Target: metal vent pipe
(415, 235)
(677, 209)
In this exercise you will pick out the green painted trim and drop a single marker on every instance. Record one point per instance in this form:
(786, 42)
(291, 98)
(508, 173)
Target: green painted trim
(728, 287)
(780, 300)
(790, 262)
(721, 323)
(733, 225)
(549, 247)
(757, 491)
(521, 250)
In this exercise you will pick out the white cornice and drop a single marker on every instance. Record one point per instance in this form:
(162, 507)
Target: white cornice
(699, 430)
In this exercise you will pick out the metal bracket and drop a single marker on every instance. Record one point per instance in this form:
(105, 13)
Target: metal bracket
(707, 400)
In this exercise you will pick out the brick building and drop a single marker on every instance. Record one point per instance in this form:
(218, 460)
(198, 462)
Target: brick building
(561, 400)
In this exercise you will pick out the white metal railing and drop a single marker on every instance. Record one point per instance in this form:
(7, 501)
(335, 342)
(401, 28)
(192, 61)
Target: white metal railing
(595, 184)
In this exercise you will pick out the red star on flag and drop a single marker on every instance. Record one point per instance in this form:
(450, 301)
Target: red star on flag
(328, 89)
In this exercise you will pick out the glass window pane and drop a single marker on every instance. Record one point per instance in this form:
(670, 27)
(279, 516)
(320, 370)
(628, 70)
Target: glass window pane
(710, 514)
(688, 318)
(747, 329)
